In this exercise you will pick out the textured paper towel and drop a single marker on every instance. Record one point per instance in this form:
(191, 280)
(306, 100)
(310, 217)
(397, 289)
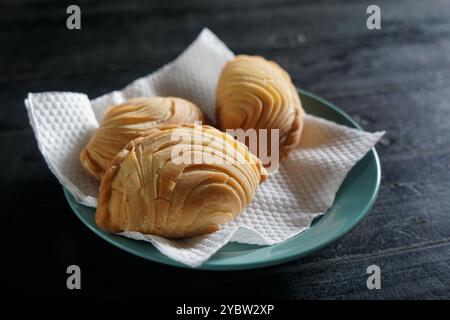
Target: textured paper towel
(284, 206)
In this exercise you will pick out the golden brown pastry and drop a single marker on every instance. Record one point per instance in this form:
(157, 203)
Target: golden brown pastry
(256, 93)
(127, 121)
(148, 189)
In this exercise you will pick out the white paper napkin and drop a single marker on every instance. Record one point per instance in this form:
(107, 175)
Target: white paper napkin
(284, 206)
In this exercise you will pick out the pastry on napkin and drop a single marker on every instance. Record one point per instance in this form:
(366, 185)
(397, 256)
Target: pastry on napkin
(129, 120)
(285, 204)
(153, 186)
(254, 93)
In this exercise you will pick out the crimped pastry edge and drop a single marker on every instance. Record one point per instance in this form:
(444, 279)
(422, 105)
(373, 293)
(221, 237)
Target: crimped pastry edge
(295, 135)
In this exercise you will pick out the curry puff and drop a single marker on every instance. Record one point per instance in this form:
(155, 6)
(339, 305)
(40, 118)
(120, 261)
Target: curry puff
(157, 185)
(129, 120)
(254, 93)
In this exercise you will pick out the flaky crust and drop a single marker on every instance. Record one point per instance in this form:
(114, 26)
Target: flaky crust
(147, 189)
(127, 121)
(256, 93)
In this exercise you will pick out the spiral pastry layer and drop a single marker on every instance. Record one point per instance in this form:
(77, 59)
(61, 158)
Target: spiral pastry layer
(127, 121)
(149, 189)
(254, 93)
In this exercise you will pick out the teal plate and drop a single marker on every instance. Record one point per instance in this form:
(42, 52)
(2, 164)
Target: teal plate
(353, 201)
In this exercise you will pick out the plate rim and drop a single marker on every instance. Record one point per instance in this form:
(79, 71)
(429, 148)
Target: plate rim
(209, 265)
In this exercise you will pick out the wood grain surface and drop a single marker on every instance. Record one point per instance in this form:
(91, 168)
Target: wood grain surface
(395, 79)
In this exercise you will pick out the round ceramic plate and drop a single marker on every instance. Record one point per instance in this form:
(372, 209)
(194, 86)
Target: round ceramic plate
(353, 201)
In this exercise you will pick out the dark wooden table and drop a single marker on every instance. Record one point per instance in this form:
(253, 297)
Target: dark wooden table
(395, 79)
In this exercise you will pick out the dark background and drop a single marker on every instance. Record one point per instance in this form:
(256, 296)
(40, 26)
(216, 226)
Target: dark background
(395, 79)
